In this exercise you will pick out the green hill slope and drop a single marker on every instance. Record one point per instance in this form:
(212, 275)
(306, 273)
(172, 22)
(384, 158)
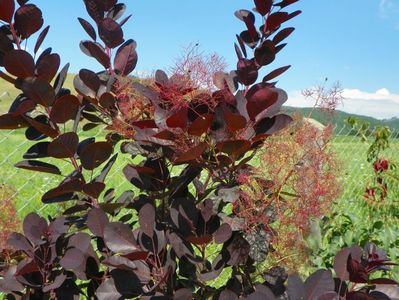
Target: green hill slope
(339, 117)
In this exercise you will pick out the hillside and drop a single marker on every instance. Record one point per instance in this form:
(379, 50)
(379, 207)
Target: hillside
(339, 117)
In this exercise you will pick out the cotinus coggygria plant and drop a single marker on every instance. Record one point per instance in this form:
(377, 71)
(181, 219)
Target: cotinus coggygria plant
(176, 235)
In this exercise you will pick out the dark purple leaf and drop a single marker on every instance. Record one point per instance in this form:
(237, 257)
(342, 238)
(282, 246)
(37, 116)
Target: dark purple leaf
(117, 11)
(147, 219)
(19, 242)
(93, 49)
(63, 191)
(228, 295)
(183, 294)
(259, 98)
(73, 259)
(275, 73)
(192, 154)
(64, 109)
(318, 284)
(64, 146)
(282, 35)
(341, 259)
(47, 67)
(126, 58)
(222, 234)
(247, 71)
(295, 287)
(265, 53)
(107, 100)
(107, 290)
(41, 124)
(34, 227)
(263, 6)
(41, 38)
(12, 121)
(94, 154)
(60, 80)
(28, 20)
(88, 28)
(110, 32)
(93, 189)
(38, 166)
(243, 14)
(90, 79)
(19, 63)
(58, 281)
(119, 238)
(106, 169)
(39, 91)
(38, 150)
(123, 22)
(262, 293)
(7, 8)
(96, 221)
(94, 9)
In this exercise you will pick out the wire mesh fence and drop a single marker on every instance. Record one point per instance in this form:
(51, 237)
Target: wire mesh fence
(26, 188)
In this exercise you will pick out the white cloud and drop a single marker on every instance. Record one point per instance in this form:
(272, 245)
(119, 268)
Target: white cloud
(381, 104)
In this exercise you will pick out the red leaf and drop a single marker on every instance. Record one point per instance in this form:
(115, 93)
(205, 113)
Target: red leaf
(39, 166)
(94, 9)
(12, 121)
(265, 53)
(110, 32)
(64, 109)
(88, 28)
(234, 121)
(19, 63)
(251, 28)
(192, 154)
(223, 234)
(234, 148)
(247, 71)
(126, 58)
(64, 146)
(41, 38)
(44, 128)
(178, 119)
(28, 20)
(95, 50)
(263, 6)
(93, 189)
(275, 20)
(94, 154)
(199, 240)
(147, 219)
(282, 35)
(40, 91)
(107, 100)
(73, 185)
(7, 8)
(47, 67)
(260, 97)
(201, 124)
(90, 79)
(275, 73)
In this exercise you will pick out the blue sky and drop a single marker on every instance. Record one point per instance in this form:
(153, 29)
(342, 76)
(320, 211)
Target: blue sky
(353, 41)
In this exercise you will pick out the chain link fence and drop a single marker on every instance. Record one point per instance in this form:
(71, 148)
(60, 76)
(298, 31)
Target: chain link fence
(26, 187)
